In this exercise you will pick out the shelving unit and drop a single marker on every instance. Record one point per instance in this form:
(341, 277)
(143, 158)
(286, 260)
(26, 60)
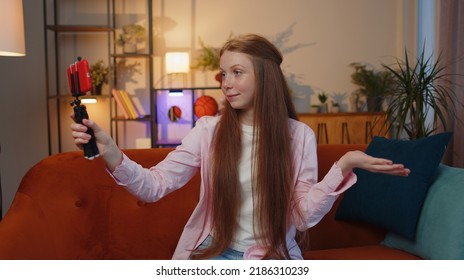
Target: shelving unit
(160, 109)
(89, 29)
(68, 33)
(119, 125)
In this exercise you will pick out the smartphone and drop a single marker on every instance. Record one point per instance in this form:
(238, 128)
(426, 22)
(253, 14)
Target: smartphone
(79, 80)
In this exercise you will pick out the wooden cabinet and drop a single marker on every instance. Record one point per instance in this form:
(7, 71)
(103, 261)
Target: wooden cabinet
(346, 128)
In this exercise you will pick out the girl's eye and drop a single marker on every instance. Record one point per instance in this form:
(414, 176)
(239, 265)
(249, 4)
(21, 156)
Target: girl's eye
(237, 72)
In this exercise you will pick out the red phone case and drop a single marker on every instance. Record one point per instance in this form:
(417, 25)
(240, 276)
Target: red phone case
(81, 68)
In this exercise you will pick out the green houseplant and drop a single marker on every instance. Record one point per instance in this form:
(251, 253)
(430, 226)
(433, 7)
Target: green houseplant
(335, 107)
(314, 109)
(422, 89)
(324, 108)
(208, 59)
(98, 73)
(130, 36)
(375, 85)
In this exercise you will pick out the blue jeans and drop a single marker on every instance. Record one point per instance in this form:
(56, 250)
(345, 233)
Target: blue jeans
(229, 254)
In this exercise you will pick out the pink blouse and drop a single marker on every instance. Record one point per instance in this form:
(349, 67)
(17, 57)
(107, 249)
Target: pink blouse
(313, 198)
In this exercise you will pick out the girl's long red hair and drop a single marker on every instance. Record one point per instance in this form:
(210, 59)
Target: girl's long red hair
(272, 166)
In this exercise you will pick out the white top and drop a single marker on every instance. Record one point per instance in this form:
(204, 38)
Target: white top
(245, 236)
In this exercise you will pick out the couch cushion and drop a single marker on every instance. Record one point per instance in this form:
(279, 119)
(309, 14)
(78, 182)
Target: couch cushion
(440, 229)
(395, 202)
(375, 252)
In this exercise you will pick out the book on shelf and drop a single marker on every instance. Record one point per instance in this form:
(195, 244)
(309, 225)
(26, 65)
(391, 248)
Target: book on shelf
(128, 101)
(120, 103)
(125, 104)
(138, 107)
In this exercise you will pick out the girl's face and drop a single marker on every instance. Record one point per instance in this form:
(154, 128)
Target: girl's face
(238, 83)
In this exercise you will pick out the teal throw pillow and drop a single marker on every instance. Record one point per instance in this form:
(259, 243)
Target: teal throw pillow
(394, 202)
(440, 230)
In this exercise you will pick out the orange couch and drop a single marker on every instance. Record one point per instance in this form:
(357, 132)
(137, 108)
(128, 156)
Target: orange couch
(69, 208)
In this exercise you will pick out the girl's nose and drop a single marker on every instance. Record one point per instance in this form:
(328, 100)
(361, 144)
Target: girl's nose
(226, 81)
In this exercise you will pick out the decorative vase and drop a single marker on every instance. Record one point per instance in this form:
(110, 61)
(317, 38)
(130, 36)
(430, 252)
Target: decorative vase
(354, 101)
(314, 109)
(129, 48)
(97, 89)
(324, 108)
(374, 103)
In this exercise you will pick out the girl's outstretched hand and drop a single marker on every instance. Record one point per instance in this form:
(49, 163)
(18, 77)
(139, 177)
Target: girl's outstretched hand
(109, 151)
(358, 159)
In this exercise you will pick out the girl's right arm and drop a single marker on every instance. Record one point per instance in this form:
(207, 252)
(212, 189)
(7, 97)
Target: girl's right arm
(147, 184)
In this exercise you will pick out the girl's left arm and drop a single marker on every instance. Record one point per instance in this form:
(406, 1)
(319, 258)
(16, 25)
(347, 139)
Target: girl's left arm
(312, 199)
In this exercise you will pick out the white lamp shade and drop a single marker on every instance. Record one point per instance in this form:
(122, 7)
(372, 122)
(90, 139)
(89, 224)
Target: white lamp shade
(177, 62)
(12, 28)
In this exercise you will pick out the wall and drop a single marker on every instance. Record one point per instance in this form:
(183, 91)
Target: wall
(23, 133)
(327, 34)
(319, 39)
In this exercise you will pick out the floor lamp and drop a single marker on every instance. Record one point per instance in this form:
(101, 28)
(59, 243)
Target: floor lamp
(12, 43)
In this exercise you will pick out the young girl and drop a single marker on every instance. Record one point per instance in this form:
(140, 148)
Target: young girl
(258, 165)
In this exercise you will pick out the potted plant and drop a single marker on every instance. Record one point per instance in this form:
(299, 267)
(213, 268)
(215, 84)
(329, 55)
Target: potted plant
(324, 108)
(335, 107)
(130, 36)
(98, 74)
(208, 59)
(375, 85)
(422, 90)
(314, 109)
(338, 98)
